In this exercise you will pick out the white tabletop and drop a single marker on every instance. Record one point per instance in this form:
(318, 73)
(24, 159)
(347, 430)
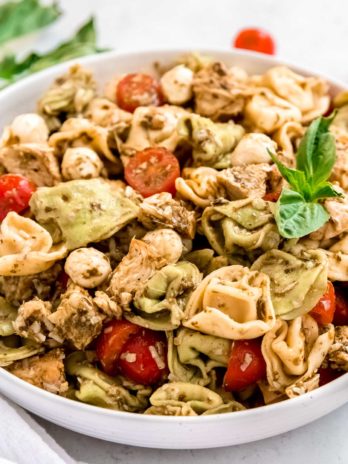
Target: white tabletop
(311, 32)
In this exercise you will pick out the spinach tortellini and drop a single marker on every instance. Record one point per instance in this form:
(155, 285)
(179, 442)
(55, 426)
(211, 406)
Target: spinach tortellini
(95, 387)
(297, 282)
(160, 306)
(193, 356)
(241, 226)
(212, 142)
(186, 399)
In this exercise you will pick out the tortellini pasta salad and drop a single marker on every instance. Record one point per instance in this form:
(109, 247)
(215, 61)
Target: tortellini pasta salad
(176, 244)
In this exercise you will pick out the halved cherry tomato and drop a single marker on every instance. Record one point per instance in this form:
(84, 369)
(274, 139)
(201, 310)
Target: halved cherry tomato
(110, 343)
(138, 90)
(255, 39)
(153, 170)
(15, 193)
(327, 375)
(246, 365)
(323, 312)
(144, 357)
(341, 313)
(272, 196)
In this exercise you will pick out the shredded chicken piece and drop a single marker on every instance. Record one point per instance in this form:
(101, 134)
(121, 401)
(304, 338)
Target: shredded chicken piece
(46, 371)
(107, 305)
(135, 269)
(161, 210)
(338, 353)
(34, 161)
(77, 318)
(17, 289)
(338, 223)
(218, 93)
(245, 181)
(32, 321)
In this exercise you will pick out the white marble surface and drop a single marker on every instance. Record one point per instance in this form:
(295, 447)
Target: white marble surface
(311, 32)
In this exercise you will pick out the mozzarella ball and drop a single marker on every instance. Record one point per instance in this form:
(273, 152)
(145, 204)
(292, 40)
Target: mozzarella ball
(253, 148)
(87, 267)
(81, 163)
(176, 85)
(166, 242)
(29, 128)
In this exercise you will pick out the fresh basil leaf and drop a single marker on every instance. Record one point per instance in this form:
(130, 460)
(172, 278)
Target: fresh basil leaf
(294, 177)
(295, 217)
(83, 43)
(316, 154)
(18, 18)
(325, 190)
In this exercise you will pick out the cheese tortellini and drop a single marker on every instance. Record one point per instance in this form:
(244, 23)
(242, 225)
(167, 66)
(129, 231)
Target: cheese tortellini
(26, 247)
(293, 352)
(232, 302)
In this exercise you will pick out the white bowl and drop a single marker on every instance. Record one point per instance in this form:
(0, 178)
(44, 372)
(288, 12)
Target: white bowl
(159, 431)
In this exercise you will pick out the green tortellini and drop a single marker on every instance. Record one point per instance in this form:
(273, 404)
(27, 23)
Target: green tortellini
(186, 399)
(8, 314)
(82, 211)
(297, 282)
(99, 389)
(161, 304)
(192, 356)
(206, 261)
(10, 351)
(212, 143)
(239, 226)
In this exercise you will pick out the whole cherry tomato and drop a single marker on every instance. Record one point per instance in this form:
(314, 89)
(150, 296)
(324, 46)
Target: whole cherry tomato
(255, 39)
(15, 193)
(323, 312)
(341, 313)
(153, 170)
(111, 341)
(144, 357)
(138, 90)
(246, 365)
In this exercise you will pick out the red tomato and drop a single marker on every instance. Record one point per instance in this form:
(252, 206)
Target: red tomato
(15, 193)
(255, 39)
(272, 196)
(327, 375)
(246, 365)
(153, 170)
(111, 341)
(144, 357)
(323, 311)
(341, 313)
(138, 90)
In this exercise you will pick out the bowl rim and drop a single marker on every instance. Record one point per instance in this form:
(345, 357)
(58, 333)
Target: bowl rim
(37, 392)
(313, 395)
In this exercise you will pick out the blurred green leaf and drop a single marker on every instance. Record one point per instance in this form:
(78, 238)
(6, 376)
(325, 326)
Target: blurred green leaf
(82, 44)
(18, 18)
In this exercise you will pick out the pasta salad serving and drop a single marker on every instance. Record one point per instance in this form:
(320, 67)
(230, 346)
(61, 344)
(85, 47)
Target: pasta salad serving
(178, 243)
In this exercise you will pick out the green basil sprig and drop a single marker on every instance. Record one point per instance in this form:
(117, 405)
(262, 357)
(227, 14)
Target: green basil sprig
(18, 18)
(298, 210)
(83, 43)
